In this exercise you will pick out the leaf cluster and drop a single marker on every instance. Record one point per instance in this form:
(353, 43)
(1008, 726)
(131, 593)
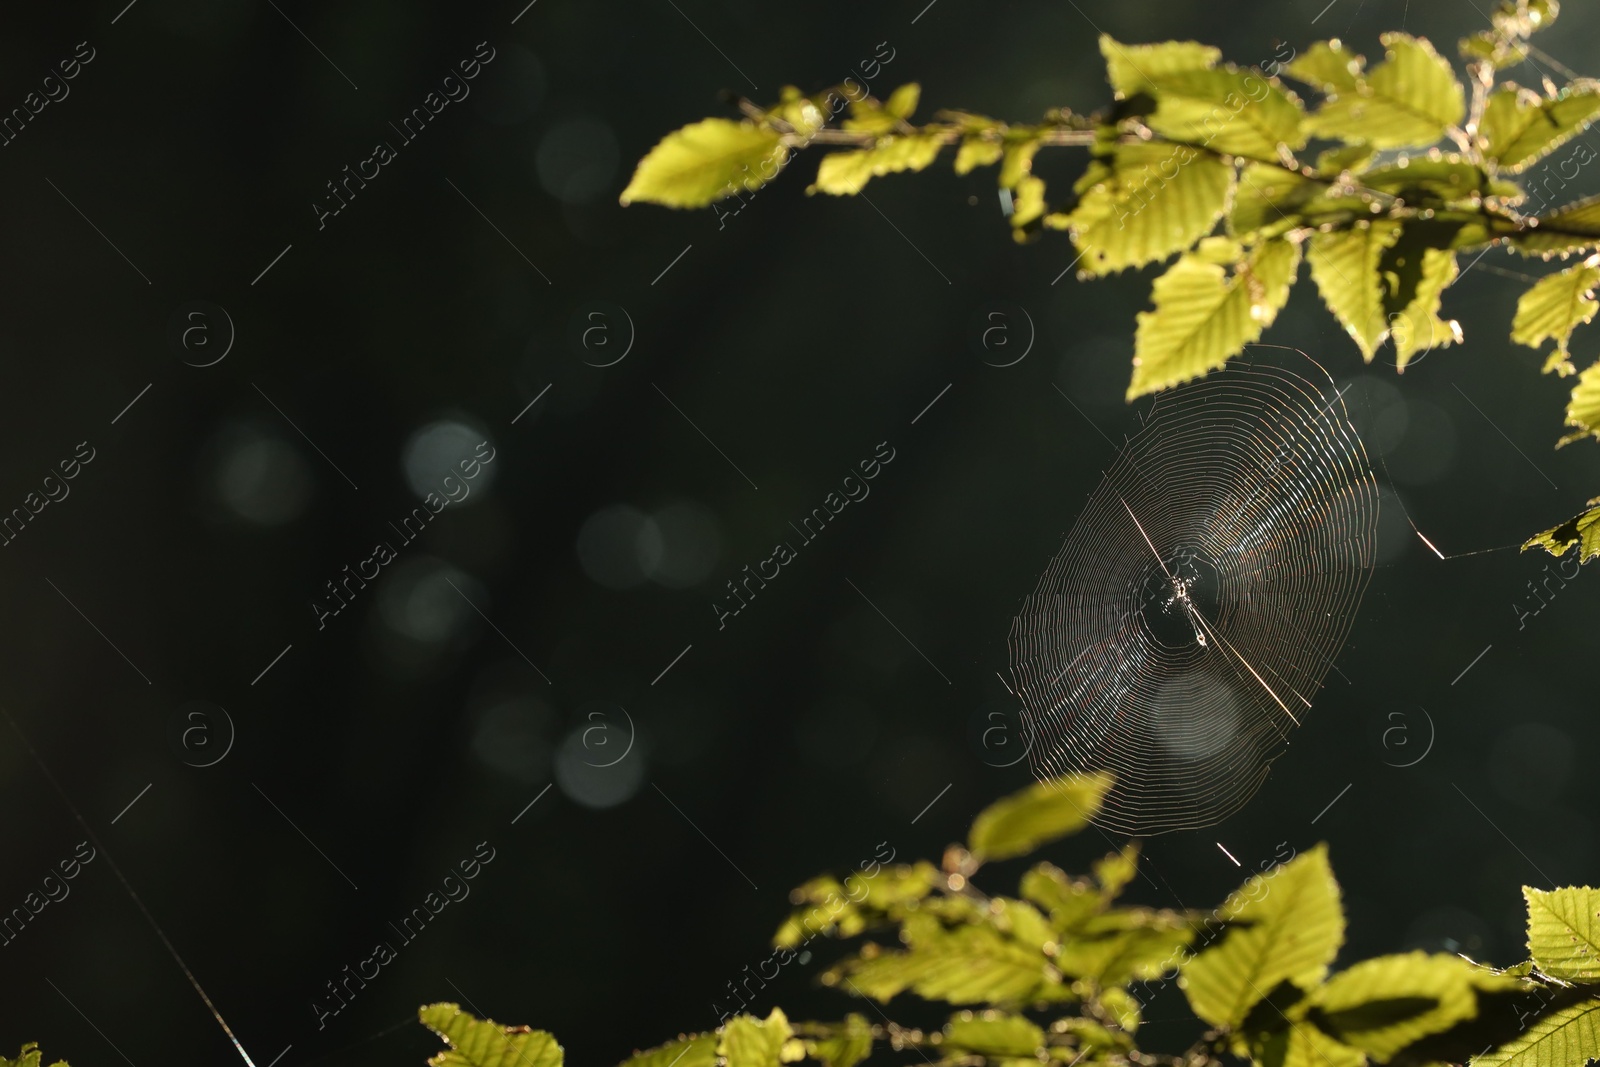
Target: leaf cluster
(1058, 972)
(1378, 177)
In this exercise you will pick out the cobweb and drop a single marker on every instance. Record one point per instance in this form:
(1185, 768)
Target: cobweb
(1195, 606)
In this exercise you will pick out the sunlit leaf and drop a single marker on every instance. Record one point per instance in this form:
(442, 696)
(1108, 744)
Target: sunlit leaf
(844, 909)
(903, 101)
(1301, 1044)
(1563, 1038)
(698, 1050)
(1228, 110)
(845, 173)
(706, 161)
(1224, 108)
(993, 1033)
(1203, 315)
(1152, 200)
(1027, 204)
(751, 1042)
(1115, 871)
(1416, 327)
(30, 1056)
(966, 965)
(1350, 157)
(850, 1044)
(1285, 926)
(802, 114)
(485, 1043)
(977, 151)
(1344, 264)
(1123, 1007)
(1269, 198)
(1520, 127)
(869, 116)
(1044, 811)
(1420, 179)
(1068, 900)
(1583, 530)
(1129, 67)
(1564, 932)
(1383, 1005)
(1018, 148)
(1411, 98)
(1574, 227)
(1554, 306)
(1504, 44)
(1092, 1037)
(831, 913)
(1136, 953)
(1023, 922)
(1583, 408)
(1329, 67)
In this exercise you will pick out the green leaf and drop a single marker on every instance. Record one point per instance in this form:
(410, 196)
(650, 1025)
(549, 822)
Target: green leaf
(850, 1044)
(1563, 1038)
(1028, 204)
(1344, 264)
(1416, 326)
(751, 1042)
(993, 1033)
(1152, 200)
(1023, 923)
(1018, 148)
(1383, 1005)
(1329, 67)
(1284, 926)
(1044, 811)
(1350, 157)
(1226, 109)
(1419, 179)
(1091, 1037)
(1303, 1045)
(1572, 228)
(845, 173)
(1116, 870)
(967, 965)
(1129, 67)
(1583, 530)
(846, 909)
(1410, 99)
(1520, 127)
(1554, 306)
(1512, 23)
(1270, 198)
(1583, 409)
(485, 1043)
(1564, 932)
(1203, 316)
(869, 116)
(1140, 951)
(903, 101)
(1068, 900)
(706, 161)
(697, 1050)
(30, 1056)
(833, 914)
(802, 114)
(1123, 1007)
(977, 151)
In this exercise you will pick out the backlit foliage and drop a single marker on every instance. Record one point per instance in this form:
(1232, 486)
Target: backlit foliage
(1378, 176)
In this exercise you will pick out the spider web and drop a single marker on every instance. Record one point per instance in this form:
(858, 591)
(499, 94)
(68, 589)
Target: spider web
(1196, 604)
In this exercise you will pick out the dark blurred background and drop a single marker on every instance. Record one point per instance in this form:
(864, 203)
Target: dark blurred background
(160, 616)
